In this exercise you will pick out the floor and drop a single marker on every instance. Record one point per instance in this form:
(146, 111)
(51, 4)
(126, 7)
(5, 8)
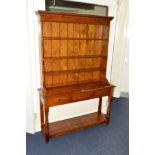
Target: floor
(99, 140)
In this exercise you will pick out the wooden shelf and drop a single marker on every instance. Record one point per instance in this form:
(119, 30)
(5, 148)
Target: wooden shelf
(75, 57)
(66, 38)
(77, 123)
(75, 71)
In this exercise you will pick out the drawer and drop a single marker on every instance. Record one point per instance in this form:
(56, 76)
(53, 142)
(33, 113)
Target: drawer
(102, 92)
(82, 96)
(58, 100)
(90, 94)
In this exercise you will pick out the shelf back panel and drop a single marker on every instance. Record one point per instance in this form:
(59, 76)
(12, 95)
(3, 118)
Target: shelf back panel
(74, 48)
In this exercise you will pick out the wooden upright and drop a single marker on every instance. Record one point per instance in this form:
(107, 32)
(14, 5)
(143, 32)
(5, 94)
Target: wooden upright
(74, 50)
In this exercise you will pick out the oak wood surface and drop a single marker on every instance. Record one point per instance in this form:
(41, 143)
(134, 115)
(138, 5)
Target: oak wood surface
(73, 57)
(77, 123)
(71, 17)
(76, 88)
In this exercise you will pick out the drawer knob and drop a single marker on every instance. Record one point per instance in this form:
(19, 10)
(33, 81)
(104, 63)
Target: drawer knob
(82, 90)
(59, 99)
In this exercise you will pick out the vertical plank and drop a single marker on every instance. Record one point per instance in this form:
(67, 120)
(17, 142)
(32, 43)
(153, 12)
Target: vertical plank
(86, 53)
(67, 54)
(55, 47)
(73, 78)
(55, 29)
(47, 29)
(82, 50)
(55, 65)
(70, 48)
(76, 30)
(100, 31)
(81, 76)
(55, 80)
(90, 47)
(59, 64)
(91, 31)
(59, 80)
(82, 47)
(98, 47)
(63, 79)
(70, 78)
(96, 62)
(47, 48)
(63, 64)
(97, 31)
(63, 48)
(48, 80)
(48, 65)
(83, 31)
(76, 47)
(88, 62)
(72, 64)
(88, 76)
(105, 32)
(103, 75)
(105, 47)
(104, 63)
(63, 30)
(96, 75)
(70, 30)
(81, 64)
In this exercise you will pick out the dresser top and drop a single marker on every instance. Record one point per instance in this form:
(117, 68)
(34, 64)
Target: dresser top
(75, 88)
(71, 14)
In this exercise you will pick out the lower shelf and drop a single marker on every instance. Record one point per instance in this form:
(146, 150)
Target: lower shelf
(77, 123)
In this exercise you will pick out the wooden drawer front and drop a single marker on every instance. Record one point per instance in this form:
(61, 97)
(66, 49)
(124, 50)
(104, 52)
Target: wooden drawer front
(53, 101)
(86, 94)
(90, 94)
(82, 96)
(102, 92)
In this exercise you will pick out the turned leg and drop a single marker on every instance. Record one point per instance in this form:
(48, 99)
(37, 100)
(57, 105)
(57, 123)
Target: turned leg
(46, 129)
(41, 115)
(109, 107)
(100, 105)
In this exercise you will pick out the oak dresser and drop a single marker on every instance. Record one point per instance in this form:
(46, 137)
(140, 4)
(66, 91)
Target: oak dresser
(74, 50)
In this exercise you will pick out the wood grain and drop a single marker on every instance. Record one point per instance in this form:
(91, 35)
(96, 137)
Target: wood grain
(74, 57)
(75, 124)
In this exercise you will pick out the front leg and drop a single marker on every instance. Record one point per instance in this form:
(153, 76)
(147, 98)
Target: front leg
(100, 105)
(46, 129)
(109, 107)
(41, 115)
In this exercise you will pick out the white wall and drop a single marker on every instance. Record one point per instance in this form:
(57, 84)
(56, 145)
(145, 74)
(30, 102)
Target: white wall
(64, 111)
(120, 66)
(33, 78)
(125, 64)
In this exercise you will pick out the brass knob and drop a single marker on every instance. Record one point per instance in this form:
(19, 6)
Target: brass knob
(82, 90)
(59, 99)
